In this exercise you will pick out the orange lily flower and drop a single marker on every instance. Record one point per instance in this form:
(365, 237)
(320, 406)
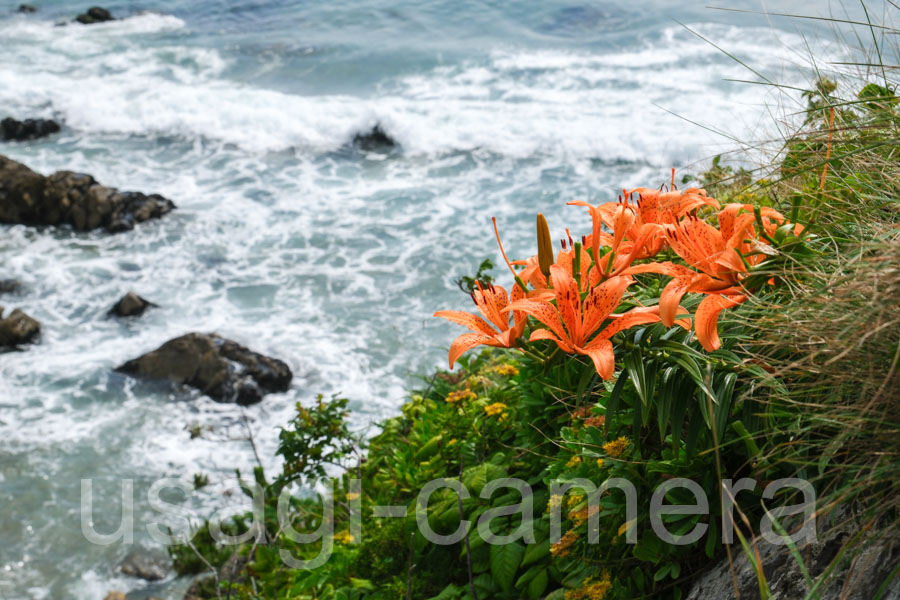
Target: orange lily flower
(721, 255)
(638, 221)
(492, 303)
(566, 260)
(663, 208)
(572, 323)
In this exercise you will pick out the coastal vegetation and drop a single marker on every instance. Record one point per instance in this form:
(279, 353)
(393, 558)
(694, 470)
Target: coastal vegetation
(744, 327)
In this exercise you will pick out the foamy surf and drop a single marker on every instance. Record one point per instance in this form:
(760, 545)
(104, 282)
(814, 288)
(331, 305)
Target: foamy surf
(517, 103)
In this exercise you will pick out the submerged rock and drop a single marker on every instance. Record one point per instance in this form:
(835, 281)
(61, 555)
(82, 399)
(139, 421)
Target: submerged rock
(145, 565)
(26, 8)
(17, 329)
(29, 129)
(376, 139)
(68, 198)
(95, 14)
(9, 286)
(220, 368)
(115, 596)
(130, 305)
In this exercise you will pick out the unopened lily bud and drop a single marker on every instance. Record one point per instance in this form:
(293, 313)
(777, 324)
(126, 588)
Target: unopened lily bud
(545, 245)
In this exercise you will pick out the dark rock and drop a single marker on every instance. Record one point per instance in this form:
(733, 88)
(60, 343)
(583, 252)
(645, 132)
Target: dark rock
(27, 8)
(29, 129)
(9, 286)
(130, 305)
(223, 370)
(18, 328)
(376, 139)
(856, 579)
(76, 199)
(145, 565)
(95, 14)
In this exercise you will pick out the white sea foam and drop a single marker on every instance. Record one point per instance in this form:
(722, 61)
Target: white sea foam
(516, 103)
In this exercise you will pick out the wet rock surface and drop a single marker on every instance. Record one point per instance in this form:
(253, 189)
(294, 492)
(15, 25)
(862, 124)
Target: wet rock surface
(68, 198)
(17, 329)
(374, 140)
(29, 129)
(130, 305)
(95, 14)
(145, 565)
(26, 8)
(10, 286)
(220, 368)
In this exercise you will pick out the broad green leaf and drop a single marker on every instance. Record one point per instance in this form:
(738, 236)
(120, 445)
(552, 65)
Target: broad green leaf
(538, 585)
(505, 561)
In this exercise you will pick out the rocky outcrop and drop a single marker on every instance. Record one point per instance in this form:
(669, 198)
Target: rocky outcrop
(95, 14)
(29, 129)
(145, 565)
(26, 8)
(130, 305)
(857, 578)
(374, 140)
(220, 368)
(68, 198)
(17, 329)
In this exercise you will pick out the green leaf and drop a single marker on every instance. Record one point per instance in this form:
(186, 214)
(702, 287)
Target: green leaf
(724, 397)
(712, 536)
(535, 552)
(475, 478)
(661, 573)
(505, 561)
(649, 549)
(538, 585)
(612, 405)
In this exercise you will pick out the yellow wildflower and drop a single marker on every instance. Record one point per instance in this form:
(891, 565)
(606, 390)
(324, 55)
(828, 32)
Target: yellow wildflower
(494, 409)
(351, 496)
(506, 370)
(554, 502)
(591, 589)
(615, 448)
(476, 380)
(599, 463)
(562, 547)
(343, 537)
(580, 516)
(574, 499)
(460, 395)
(573, 462)
(451, 442)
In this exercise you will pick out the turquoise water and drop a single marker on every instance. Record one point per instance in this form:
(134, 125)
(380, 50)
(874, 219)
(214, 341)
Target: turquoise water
(293, 242)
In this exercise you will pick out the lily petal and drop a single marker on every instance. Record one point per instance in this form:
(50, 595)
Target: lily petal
(600, 351)
(544, 334)
(473, 322)
(467, 341)
(706, 319)
(602, 300)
